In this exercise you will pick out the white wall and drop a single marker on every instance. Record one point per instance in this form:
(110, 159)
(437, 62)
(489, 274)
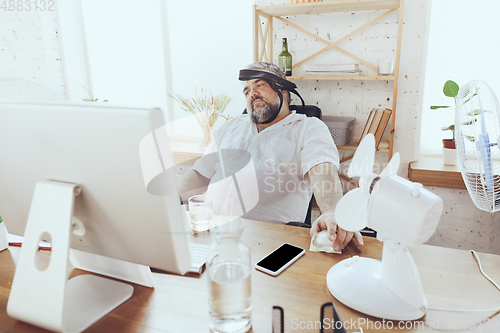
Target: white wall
(462, 225)
(29, 48)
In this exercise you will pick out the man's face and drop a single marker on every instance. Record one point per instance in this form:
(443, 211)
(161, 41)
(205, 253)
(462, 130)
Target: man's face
(262, 101)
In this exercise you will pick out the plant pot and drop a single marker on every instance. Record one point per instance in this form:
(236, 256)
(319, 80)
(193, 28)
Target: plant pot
(4, 243)
(449, 156)
(449, 152)
(449, 144)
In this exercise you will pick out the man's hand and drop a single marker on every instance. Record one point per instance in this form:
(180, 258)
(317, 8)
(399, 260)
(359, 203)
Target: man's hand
(338, 236)
(328, 192)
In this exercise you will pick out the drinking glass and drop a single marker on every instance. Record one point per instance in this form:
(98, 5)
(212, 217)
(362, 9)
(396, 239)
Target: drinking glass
(200, 212)
(386, 67)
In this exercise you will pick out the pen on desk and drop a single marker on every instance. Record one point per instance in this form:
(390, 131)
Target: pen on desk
(278, 319)
(328, 311)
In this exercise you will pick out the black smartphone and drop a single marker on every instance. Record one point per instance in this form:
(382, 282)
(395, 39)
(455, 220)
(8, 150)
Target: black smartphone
(282, 257)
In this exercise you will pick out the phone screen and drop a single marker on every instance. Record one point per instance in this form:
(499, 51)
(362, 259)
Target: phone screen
(280, 257)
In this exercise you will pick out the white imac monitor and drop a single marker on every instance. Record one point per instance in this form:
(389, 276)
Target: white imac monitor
(96, 178)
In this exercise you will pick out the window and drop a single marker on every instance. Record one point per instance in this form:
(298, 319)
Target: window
(463, 45)
(210, 41)
(124, 42)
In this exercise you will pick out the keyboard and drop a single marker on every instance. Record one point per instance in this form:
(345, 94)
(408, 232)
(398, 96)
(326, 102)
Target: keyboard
(198, 254)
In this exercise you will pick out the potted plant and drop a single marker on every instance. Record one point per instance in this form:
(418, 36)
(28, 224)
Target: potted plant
(207, 109)
(91, 98)
(4, 242)
(450, 89)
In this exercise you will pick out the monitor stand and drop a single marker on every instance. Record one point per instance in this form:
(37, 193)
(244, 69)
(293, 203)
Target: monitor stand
(44, 296)
(118, 269)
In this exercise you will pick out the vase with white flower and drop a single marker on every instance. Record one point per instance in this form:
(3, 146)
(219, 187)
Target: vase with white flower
(206, 108)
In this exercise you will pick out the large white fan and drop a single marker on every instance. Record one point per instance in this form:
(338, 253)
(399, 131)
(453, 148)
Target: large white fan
(404, 214)
(477, 128)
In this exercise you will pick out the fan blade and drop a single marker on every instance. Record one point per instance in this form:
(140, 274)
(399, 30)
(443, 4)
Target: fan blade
(484, 147)
(362, 162)
(392, 168)
(351, 213)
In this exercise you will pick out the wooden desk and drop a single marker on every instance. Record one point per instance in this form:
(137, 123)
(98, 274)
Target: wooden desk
(179, 304)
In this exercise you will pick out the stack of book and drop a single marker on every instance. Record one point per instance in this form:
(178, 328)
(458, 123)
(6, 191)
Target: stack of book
(376, 124)
(332, 70)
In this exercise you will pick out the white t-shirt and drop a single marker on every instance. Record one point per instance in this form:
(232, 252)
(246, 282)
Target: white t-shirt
(272, 182)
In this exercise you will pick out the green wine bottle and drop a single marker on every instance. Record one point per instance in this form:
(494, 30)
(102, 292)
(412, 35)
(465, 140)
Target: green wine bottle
(285, 59)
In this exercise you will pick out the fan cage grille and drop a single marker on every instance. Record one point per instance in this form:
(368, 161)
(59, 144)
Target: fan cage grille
(472, 129)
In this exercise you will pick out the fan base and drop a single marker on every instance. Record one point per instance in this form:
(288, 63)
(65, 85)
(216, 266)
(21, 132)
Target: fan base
(357, 282)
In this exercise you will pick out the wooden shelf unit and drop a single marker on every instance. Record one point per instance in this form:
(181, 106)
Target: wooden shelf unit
(330, 6)
(343, 78)
(263, 17)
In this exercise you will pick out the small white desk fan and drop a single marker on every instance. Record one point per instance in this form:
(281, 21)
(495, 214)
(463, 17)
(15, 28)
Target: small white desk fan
(403, 214)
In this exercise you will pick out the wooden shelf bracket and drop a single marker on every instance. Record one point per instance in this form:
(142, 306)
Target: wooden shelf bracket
(263, 41)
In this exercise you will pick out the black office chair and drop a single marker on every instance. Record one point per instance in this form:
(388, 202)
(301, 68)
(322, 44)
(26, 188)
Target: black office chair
(310, 111)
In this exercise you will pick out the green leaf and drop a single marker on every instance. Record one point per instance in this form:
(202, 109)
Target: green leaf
(468, 99)
(470, 138)
(439, 107)
(449, 128)
(105, 100)
(470, 122)
(451, 89)
(476, 112)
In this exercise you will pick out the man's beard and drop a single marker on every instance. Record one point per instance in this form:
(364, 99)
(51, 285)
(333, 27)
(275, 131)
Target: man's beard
(264, 112)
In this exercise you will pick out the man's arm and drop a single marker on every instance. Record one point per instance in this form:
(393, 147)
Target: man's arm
(327, 192)
(192, 183)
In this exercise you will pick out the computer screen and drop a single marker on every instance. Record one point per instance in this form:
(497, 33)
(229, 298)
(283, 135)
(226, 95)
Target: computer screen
(118, 156)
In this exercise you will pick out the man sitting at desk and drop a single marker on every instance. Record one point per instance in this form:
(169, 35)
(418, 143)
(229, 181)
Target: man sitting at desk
(293, 156)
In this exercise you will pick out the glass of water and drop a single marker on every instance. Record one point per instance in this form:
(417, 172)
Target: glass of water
(200, 212)
(386, 67)
(229, 280)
